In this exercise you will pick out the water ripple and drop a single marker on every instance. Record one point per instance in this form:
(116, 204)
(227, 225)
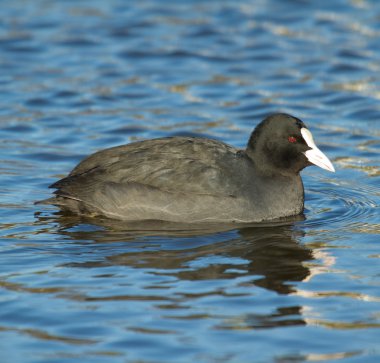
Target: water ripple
(341, 204)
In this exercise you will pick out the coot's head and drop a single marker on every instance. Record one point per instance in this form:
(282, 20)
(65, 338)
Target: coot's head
(282, 144)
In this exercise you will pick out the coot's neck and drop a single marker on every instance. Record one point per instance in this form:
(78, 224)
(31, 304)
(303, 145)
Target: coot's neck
(264, 166)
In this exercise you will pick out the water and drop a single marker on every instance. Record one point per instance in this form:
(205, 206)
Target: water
(79, 76)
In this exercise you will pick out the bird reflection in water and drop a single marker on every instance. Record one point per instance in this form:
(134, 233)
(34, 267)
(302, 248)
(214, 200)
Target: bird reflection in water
(272, 253)
(269, 256)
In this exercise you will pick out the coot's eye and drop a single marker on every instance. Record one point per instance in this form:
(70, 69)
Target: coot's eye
(292, 139)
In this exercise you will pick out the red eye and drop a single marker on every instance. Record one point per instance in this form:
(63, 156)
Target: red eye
(292, 139)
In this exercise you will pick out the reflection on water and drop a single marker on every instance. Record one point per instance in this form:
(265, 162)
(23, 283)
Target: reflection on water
(272, 255)
(183, 277)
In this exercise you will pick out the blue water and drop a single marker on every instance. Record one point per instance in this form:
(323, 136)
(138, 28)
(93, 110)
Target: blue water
(79, 76)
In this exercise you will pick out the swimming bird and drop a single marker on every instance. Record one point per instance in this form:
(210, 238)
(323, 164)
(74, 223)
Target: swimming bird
(197, 180)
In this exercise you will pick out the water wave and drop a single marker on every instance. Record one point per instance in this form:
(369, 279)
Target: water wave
(343, 204)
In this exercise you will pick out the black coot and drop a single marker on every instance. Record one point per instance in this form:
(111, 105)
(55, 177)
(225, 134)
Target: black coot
(192, 180)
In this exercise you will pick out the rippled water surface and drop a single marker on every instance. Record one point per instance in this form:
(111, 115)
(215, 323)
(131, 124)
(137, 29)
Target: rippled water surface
(79, 76)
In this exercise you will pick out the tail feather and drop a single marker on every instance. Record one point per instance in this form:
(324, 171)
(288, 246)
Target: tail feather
(58, 200)
(51, 200)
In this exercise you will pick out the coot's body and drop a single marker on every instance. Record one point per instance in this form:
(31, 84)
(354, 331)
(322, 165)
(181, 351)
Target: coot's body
(184, 179)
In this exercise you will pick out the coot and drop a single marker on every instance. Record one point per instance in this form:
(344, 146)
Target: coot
(195, 180)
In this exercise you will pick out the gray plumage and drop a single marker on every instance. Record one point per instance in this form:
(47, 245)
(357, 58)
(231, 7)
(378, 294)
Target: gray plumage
(185, 179)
